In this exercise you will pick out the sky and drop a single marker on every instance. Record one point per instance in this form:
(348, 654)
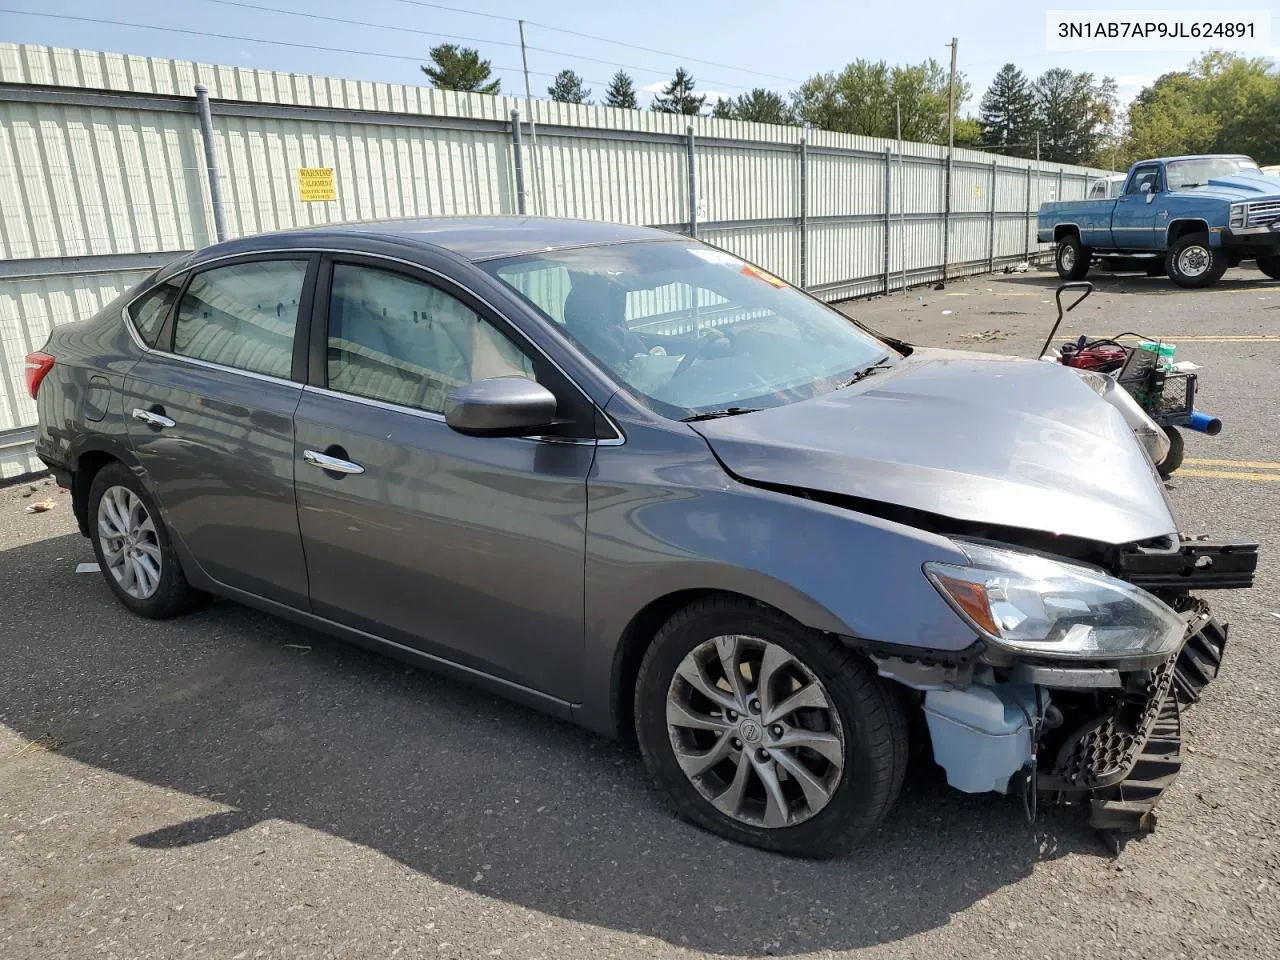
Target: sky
(728, 47)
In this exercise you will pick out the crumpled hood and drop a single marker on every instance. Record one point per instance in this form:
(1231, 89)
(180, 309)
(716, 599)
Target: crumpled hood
(972, 437)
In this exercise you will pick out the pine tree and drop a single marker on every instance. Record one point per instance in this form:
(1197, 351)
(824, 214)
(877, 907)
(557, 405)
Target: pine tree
(621, 92)
(678, 96)
(460, 68)
(568, 88)
(1007, 112)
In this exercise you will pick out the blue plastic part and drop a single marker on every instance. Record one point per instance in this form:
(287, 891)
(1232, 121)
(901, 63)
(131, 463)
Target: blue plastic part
(982, 736)
(1205, 423)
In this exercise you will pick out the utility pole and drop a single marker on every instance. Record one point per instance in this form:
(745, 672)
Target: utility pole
(951, 145)
(902, 203)
(533, 131)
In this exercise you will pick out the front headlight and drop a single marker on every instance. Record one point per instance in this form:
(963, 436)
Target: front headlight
(1239, 215)
(1034, 605)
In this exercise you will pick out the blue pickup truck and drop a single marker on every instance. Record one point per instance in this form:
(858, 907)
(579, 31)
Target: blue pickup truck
(1190, 217)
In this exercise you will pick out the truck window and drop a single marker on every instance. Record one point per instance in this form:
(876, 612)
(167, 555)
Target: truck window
(1149, 175)
(1099, 190)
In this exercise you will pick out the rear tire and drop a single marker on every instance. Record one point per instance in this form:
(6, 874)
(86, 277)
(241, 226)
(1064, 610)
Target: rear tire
(1270, 266)
(1173, 459)
(840, 792)
(1072, 258)
(1193, 263)
(133, 547)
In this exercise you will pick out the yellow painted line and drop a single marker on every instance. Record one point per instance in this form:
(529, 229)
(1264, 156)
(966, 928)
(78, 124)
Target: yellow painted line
(1225, 338)
(1255, 464)
(1226, 474)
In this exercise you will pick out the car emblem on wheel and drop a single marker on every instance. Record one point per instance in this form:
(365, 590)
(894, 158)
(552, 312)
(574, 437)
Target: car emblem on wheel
(750, 731)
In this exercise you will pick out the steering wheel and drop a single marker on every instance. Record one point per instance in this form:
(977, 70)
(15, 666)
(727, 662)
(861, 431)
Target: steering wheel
(713, 339)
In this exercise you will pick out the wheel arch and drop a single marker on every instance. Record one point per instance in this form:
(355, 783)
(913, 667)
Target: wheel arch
(86, 463)
(1064, 230)
(1183, 227)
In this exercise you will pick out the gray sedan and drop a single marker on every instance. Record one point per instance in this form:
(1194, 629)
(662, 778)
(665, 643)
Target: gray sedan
(634, 481)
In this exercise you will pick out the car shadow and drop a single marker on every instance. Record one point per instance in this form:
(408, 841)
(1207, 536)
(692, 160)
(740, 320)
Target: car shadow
(1240, 279)
(276, 722)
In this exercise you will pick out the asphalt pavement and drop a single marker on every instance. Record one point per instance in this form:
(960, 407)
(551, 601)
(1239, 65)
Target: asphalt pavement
(227, 785)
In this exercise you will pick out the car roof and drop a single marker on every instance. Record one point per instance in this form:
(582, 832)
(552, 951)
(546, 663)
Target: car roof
(1200, 156)
(472, 238)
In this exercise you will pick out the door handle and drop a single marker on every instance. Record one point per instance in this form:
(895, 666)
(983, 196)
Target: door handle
(151, 419)
(332, 464)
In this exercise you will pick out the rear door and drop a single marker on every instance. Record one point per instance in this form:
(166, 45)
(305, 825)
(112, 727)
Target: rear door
(467, 548)
(1134, 224)
(210, 412)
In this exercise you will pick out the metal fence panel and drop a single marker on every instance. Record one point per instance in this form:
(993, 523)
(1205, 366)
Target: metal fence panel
(103, 175)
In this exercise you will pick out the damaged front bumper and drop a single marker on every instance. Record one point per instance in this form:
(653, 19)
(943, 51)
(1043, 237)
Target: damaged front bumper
(1106, 733)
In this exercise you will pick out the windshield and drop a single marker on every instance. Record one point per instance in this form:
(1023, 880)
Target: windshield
(1185, 174)
(690, 329)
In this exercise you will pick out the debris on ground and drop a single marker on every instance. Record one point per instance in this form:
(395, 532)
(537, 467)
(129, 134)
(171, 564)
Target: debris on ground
(88, 567)
(939, 285)
(1022, 267)
(946, 313)
(42, 506)
(981, 336)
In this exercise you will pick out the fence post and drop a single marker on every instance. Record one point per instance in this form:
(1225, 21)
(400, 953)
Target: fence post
(693, 183)
(1059, 196)
(518, 151)
(946, 216)
(210, 161)
(991, 248)
(804, 214)
(888, 210)
(1026, 227)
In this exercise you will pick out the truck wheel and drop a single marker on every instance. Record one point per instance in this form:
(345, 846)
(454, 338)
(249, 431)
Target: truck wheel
(1193, 263)
(1270, 266)
(1072, 258)
(1173, 459)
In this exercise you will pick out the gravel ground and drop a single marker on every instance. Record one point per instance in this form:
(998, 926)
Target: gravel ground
(227, 785)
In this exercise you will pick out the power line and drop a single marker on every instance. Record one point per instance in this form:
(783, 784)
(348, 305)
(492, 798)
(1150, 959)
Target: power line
(591, 36)
(448, 36)
(363, 23)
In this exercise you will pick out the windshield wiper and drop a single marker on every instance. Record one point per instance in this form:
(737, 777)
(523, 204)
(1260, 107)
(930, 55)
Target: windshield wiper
(866, 372)
(715, 414)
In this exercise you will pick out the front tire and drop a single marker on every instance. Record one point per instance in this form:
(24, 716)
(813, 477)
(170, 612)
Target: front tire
(1193, 263)
(1072, 258)
(767, 733)
(1270, 266)
(133, 547)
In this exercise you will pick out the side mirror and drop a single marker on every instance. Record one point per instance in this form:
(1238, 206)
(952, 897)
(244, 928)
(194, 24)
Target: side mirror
(500, 407)
(1144, 187)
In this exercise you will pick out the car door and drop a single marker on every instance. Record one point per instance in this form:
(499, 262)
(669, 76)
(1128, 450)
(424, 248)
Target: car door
(1135, 222)
(210, 412)
(468, 548)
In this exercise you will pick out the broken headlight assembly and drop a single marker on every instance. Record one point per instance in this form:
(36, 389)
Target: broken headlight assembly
(1032, 604)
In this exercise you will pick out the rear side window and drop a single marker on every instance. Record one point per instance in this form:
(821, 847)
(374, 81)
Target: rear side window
(150, 311)
(242, 316)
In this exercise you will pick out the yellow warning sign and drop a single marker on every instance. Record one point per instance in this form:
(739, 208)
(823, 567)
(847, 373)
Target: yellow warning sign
(316, 184)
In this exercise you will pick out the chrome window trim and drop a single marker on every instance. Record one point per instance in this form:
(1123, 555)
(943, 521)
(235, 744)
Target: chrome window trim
(617, 440)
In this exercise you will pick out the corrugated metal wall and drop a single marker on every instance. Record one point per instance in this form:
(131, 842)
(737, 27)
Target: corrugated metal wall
(102, 178)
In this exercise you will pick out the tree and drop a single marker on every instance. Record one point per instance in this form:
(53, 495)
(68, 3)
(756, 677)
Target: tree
(460, 68)
(567, 88)
(678, 96)
(1007, 112)
(865, 98)
(758, 106)
(1074, 114)
(621, 92)
(968, 133)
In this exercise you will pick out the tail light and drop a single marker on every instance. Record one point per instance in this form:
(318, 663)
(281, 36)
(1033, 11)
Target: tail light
(38, 367)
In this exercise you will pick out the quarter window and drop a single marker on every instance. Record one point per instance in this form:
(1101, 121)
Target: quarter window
(150, 311)
(243, 316)
(402, 341)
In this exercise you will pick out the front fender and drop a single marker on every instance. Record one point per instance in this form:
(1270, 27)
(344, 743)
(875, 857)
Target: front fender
(677, 521)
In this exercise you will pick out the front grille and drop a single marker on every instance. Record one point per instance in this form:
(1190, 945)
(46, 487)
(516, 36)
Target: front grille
(1264, 213)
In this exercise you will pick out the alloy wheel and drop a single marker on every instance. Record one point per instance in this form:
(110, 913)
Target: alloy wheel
(129, 543)
(755, 731)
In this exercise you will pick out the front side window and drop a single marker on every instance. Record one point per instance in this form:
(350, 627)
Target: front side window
(402, 341)
(150, 311)
(690, 329)
(242, 316)
(1150, 176)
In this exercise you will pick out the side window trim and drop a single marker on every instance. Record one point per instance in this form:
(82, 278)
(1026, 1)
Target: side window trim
(155, 285)
(301, 333)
